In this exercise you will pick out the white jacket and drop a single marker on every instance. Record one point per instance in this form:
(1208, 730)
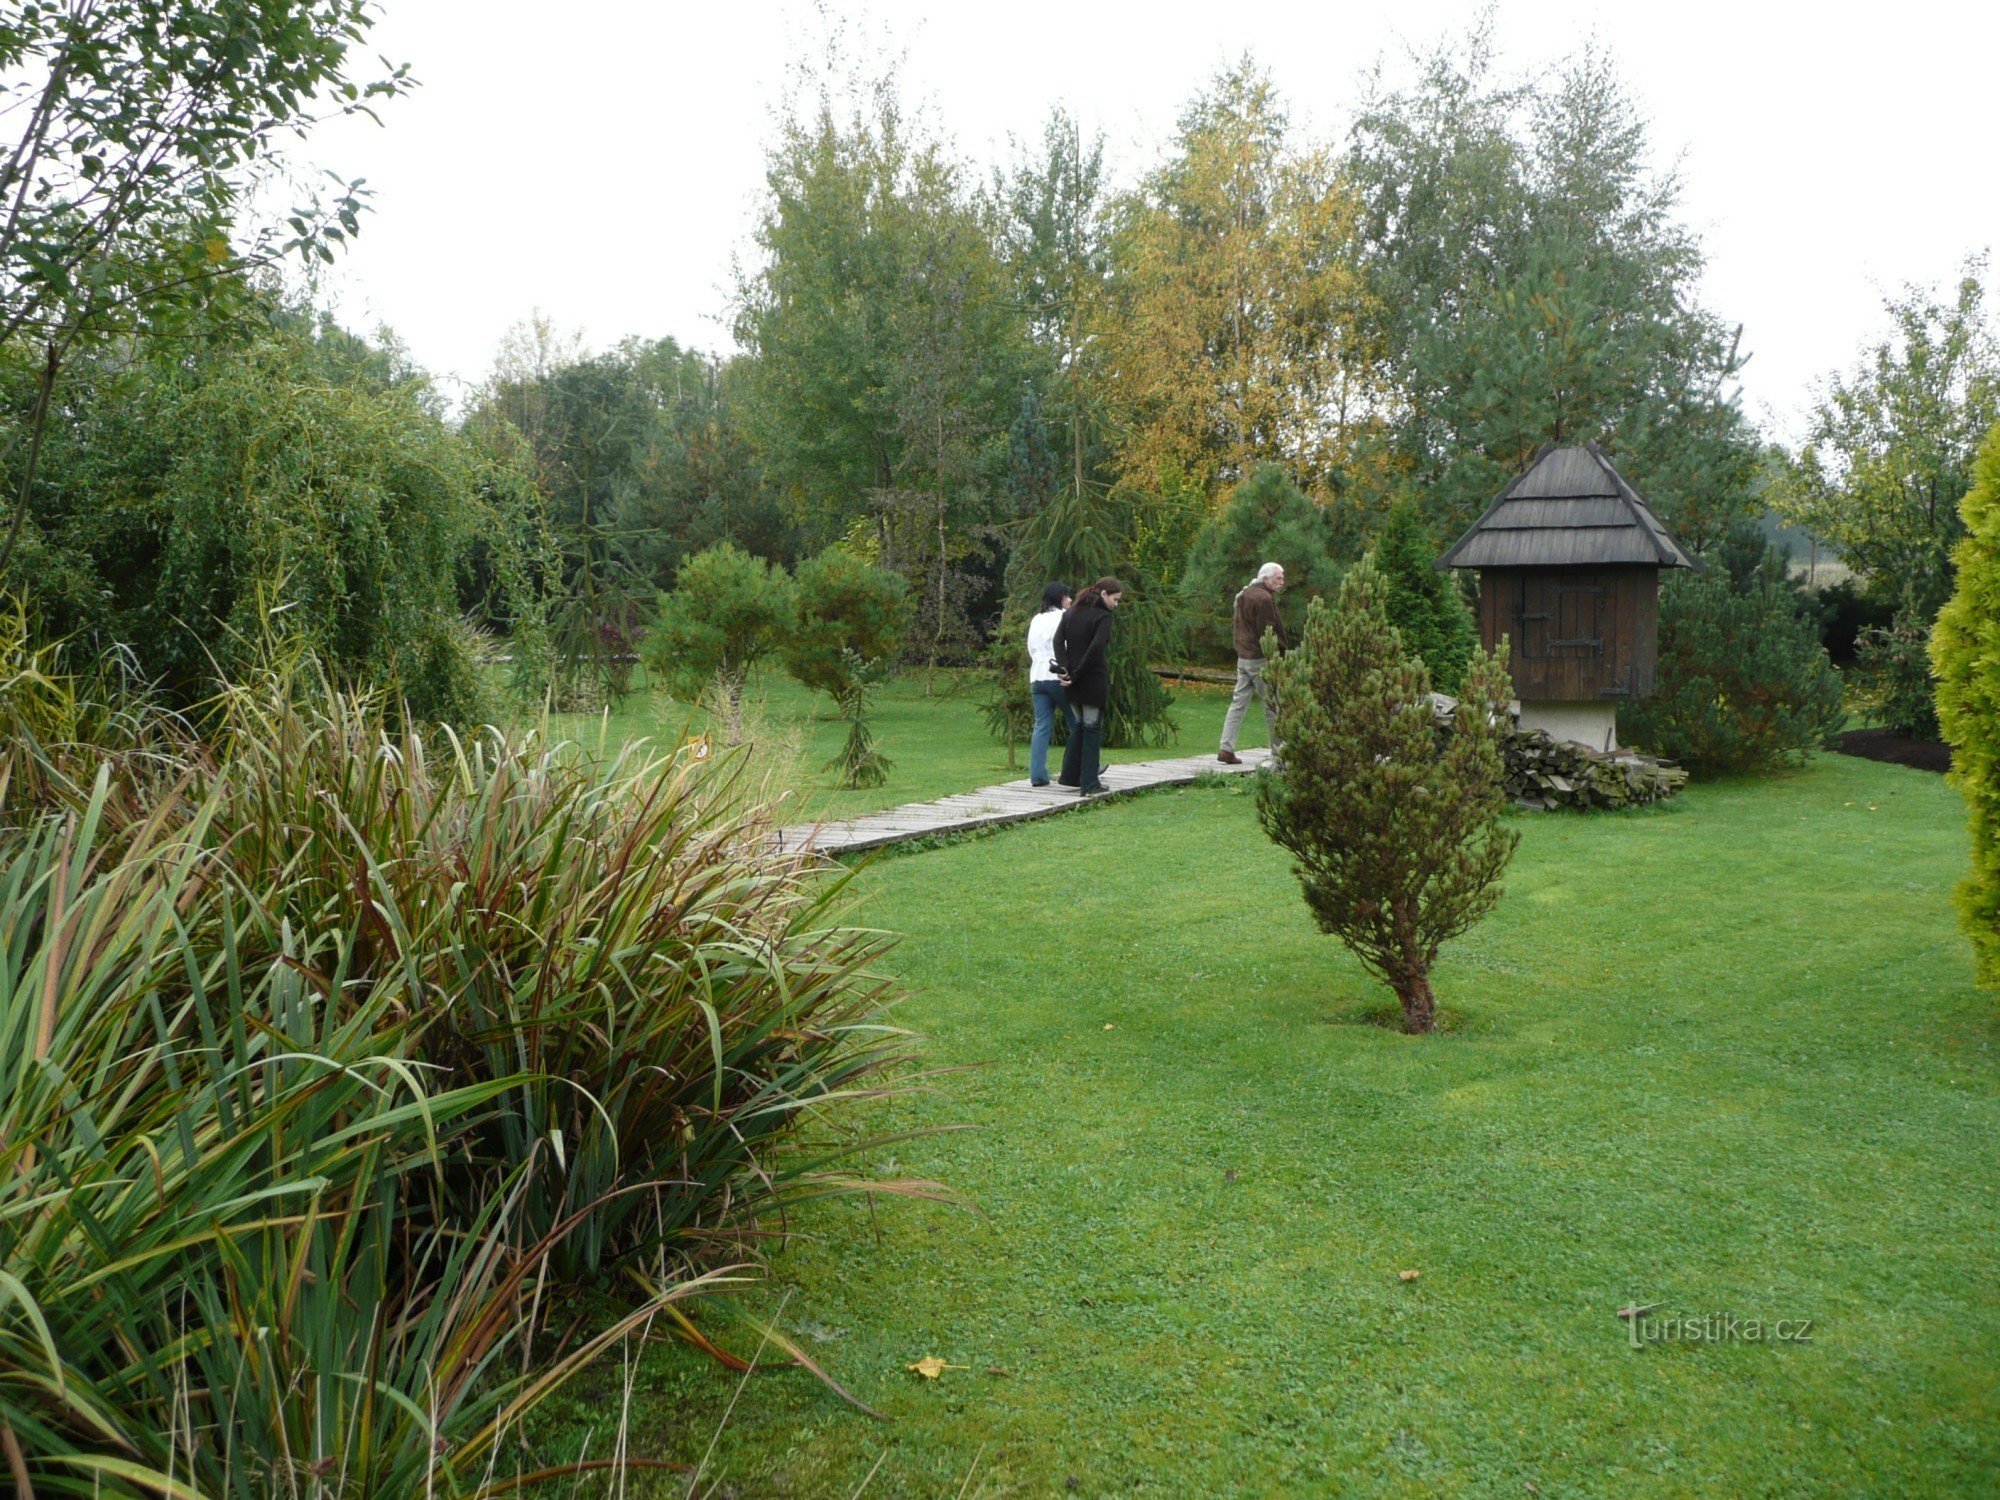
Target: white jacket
(1042, 645)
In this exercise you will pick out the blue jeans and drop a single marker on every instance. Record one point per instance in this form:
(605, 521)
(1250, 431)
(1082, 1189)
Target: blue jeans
(1080, 764)
(1049, 701)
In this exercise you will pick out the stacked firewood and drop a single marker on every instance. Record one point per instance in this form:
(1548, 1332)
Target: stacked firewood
(1544, 773)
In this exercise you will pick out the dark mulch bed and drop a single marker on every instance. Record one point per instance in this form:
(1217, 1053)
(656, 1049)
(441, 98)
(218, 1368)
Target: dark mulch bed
(1879, 744)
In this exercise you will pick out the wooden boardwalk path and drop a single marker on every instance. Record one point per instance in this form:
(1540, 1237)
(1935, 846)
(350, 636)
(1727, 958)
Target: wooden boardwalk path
(1010, 802)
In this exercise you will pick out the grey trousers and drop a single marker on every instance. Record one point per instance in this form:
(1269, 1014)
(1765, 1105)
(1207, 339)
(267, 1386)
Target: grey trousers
(1249, 680)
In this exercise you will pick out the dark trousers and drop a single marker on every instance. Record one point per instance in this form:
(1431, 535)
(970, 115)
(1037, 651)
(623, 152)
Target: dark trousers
(1050, 700)
(1079, 768)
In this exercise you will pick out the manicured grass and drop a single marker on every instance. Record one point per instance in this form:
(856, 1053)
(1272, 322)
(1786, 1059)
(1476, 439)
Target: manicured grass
(1725, 1057)
(938, 740)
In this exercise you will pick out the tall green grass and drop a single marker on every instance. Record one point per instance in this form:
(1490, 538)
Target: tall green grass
(334, 1051)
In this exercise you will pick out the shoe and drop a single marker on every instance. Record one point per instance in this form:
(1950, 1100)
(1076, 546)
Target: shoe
(1230, 758)
(1065, 781)
(1094, 791)
(1038, 783)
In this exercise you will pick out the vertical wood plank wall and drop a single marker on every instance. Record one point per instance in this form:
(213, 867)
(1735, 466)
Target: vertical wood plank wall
(1576, 633)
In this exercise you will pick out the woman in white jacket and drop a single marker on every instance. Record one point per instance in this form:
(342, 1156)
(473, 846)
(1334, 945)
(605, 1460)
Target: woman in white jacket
(1044, 685)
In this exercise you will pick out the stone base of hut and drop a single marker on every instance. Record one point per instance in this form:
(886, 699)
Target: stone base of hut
(1592, 722)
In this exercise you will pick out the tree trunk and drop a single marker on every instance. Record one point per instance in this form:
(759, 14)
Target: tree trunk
(1419, 1005)
(37, 426)
(732, 704)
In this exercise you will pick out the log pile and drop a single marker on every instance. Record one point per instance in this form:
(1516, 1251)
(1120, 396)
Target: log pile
(1544, 774)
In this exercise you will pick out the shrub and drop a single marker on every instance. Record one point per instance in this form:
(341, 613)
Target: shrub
(1396, 838)
(1965, 649)
(230, 1250)
(1845, 610)
(184, 488)
(1425, 605)
(1266, 518)
(325, 1071)
(851, 617)
(1744, 683)
(1080, 540)
(728, 611)
(1893, 663)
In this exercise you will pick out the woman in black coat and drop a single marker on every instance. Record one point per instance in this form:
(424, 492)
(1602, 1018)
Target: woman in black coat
(1083, 660)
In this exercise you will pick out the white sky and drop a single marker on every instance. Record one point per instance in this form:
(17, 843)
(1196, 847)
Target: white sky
(600, 160)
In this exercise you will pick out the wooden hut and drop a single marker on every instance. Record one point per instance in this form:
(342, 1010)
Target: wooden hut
(1569, 561)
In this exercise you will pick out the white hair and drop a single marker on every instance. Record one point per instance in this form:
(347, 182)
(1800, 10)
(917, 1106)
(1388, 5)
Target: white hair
(1265, 573)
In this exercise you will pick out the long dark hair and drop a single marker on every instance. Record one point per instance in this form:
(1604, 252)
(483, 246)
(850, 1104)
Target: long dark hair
(1053, 595)
(1094, 595)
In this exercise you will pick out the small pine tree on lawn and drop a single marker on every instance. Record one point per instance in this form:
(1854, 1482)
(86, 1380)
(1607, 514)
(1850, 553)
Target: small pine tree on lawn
(728, 611)
(1965, 652)
(1393, 825)
(1425, 605)
(850, 617)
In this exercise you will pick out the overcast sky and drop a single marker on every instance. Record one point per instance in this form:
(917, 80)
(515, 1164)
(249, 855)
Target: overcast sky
(600, 160)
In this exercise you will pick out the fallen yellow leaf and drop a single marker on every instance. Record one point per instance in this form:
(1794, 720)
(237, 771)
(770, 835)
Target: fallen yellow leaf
(1408, 1275)
(930, 1367)
(1107, 1025)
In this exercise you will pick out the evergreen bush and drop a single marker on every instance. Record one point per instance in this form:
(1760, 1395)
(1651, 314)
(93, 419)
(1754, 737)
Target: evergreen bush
(1896, 685)
(1080, 540)
(1393, 825)
(1744, 684)
(728, 612)
(1425, 605)
(1965, 650)
(1266, 518)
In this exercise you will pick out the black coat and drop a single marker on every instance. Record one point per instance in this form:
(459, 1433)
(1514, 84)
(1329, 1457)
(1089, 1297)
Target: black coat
(1083, 653)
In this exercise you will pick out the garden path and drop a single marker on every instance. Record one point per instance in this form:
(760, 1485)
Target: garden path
(1010, 802)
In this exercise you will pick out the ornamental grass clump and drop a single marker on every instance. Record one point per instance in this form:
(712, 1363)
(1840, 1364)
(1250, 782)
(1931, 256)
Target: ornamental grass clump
(327, 1072)
(1393, 826)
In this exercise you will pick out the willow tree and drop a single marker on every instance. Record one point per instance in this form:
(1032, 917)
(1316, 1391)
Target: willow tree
(140, 134)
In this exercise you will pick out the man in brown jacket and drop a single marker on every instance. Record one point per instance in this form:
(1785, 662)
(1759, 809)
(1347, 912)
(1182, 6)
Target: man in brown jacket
(1256, 611)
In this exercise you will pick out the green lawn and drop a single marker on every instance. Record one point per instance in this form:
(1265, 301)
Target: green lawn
(1724, 1056)
(938, 740)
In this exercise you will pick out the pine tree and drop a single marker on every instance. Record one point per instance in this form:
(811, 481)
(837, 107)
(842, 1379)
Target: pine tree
(1393, 825)
(850, 619)
(1079, 540)
(1424, 604)
(1267, 518)
(728, 611)
(1745, 684)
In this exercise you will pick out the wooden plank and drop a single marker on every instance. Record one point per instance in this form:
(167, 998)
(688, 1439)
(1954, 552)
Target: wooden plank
(1010, 802)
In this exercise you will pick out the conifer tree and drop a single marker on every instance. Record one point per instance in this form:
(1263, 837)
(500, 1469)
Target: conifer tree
(1965, 651)
(851, 616)
(1267, 519)
(1393, 824)
(728, 612)
(1424, 604)
(1079, 539)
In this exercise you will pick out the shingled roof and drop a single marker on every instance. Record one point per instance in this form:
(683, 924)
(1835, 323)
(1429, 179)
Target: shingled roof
(1571, 509)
